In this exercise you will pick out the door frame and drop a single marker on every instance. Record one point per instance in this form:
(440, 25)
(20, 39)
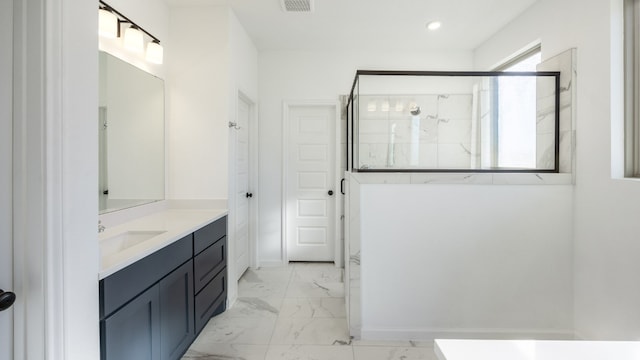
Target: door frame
(6, 162)
(253, 184)
(55, 78)
(286, 142)
(38, 267)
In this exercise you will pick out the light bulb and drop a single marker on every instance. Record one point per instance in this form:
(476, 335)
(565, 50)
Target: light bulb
(434, 25)
(133, 40)
(107, 24)
(154, 52)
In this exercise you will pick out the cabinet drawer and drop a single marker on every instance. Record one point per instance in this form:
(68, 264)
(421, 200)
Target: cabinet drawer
(210, 299)
(208, 263)
(209, 234)
(119, 288)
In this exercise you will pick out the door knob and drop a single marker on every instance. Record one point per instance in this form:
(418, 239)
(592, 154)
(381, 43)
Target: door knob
(6, 299)
(249, 195)
(330, 192)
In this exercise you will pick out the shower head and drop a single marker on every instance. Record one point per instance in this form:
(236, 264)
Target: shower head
(415, 110)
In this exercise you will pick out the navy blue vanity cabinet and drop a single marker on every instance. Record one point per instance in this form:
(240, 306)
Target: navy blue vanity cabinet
(147, 308)
(210, 271)
(154, 308)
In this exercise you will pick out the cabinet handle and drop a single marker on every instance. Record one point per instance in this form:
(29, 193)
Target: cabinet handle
(249, 195)
(342, 186)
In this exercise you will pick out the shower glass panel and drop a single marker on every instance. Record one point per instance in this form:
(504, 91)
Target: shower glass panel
(453, 122)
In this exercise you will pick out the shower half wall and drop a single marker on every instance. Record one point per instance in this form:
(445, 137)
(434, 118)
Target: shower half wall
(465, 254)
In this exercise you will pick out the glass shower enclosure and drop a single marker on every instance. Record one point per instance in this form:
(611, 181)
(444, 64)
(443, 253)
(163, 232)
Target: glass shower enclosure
(431, 121)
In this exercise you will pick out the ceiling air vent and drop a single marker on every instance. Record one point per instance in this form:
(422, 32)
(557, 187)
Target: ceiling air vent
(297, 5)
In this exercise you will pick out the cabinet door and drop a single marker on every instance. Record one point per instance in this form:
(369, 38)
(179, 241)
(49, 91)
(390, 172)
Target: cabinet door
(176, 312)
(133, 332)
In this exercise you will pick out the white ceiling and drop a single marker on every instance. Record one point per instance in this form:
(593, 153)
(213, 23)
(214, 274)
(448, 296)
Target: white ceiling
(372, 24)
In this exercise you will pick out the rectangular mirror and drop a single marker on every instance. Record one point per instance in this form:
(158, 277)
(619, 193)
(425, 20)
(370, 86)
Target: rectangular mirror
(131, 136)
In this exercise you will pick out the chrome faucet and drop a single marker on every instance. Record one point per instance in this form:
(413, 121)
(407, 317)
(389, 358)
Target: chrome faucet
(100, 226)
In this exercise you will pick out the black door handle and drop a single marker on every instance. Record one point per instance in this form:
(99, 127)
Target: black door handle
(249, 195)
(342, 186)
(330, 192)
(6, 299)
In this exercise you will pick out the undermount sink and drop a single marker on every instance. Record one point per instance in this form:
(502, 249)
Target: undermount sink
(126, 240)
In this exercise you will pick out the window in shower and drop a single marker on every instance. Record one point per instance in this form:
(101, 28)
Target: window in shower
(420, 121)
(514, 143)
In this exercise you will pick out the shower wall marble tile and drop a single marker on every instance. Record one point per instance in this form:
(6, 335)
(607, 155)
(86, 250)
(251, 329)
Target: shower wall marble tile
(390, 136)
(352, 266)
(564, 62)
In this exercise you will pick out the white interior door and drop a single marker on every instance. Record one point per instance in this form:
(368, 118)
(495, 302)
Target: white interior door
(310, 193)
(6, 174)
(243, 193)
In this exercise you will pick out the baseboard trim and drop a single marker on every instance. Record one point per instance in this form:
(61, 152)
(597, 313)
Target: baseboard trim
(272, 263)
(432, 334)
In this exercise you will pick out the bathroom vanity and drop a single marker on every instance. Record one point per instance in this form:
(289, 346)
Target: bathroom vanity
(162, 278)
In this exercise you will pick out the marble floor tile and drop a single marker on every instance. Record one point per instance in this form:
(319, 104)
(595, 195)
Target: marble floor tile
(282, 275)
(309, 352)
(226, 352)
(236, 330)
(253, 307)
(262, 289)
(313, 308)
(314, 289)
(320, 275)
(311, 332)
(393, 353)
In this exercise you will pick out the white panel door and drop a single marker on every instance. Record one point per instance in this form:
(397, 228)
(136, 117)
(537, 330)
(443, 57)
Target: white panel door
(243, 193)
(310, 184)
(6, 174)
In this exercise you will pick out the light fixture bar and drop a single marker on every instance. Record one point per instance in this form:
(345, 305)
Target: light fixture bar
(126, 20)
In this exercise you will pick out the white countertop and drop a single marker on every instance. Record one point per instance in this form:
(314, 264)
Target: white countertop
(536, 350)
(176, 223)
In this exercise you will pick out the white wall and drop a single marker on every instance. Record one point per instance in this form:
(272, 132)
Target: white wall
(290, 75)
(606, 210)
(212, 62)
(199, 96)
(466, 261)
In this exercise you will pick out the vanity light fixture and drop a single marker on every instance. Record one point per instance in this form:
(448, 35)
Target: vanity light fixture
(109, 26)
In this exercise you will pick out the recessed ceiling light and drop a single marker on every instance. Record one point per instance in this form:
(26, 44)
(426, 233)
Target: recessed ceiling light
(434, 25)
